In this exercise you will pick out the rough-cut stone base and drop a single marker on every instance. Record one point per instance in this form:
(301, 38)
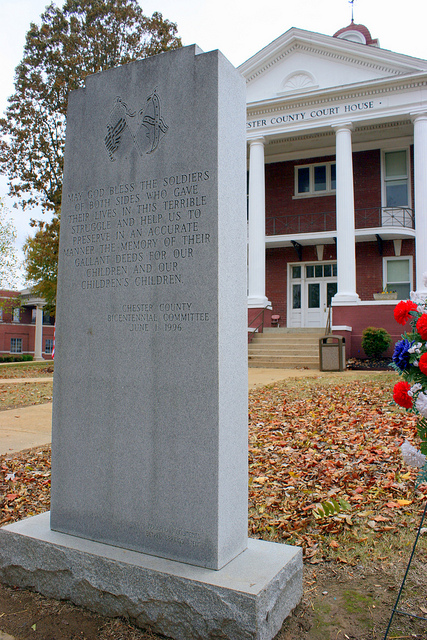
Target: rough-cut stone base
(247, 599)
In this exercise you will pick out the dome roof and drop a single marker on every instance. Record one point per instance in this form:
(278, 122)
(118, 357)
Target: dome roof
(357, 33)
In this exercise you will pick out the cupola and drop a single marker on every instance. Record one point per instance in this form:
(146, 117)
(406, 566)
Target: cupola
(357, 33)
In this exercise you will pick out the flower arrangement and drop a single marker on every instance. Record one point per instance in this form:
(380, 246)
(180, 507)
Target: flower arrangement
(410, 361)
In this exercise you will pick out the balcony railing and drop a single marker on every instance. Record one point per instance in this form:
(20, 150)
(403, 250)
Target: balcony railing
(402, 217)
(306, 223)
(369, 218)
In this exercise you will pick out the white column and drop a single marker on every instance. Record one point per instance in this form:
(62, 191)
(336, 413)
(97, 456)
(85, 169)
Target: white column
(420, 185)
(39, 333)
(256, 276)
(346, 251)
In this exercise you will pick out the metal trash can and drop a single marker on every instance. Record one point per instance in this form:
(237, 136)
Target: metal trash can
(332, 353)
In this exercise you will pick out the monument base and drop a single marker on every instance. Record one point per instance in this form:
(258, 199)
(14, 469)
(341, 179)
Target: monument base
(247, 599)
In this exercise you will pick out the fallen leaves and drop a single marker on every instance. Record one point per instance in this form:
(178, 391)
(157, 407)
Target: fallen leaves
(24, 394)
(27, 370)
(24, 484)
(324, 462)
(325, 459)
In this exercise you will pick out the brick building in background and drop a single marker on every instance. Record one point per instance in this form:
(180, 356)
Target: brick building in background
(337, 137)
(24, 327)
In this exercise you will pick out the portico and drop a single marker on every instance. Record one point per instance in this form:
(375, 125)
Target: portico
(337, 161)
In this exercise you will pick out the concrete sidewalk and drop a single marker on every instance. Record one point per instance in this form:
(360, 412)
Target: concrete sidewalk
(25, 428)
(31, 426)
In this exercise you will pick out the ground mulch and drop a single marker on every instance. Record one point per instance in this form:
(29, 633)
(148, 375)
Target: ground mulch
(369, 364)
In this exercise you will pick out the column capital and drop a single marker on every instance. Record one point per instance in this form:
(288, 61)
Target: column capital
(419, 117)
(258, 140)
(343, 126)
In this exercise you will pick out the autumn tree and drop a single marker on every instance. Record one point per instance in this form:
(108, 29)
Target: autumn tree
(41, 259)
(82, 38)
(8, 259)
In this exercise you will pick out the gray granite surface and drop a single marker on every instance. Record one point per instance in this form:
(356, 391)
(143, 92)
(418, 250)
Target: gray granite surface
(247, 599)
(150, 391)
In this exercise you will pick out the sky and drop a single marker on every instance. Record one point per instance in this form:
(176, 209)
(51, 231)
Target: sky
(239, 28)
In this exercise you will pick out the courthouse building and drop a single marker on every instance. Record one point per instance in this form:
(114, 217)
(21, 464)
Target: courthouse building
(25, 327)
(337, 162)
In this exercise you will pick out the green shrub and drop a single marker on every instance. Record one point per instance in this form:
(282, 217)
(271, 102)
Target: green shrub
(26, 357)
(375, 341)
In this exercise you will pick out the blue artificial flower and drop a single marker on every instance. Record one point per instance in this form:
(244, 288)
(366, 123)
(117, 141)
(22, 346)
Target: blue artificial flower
(401, 354)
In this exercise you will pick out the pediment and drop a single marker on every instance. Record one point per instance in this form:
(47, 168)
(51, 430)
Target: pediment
(301, 61)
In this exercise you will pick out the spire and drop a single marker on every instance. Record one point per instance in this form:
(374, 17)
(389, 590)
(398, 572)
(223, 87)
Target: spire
(352, 10)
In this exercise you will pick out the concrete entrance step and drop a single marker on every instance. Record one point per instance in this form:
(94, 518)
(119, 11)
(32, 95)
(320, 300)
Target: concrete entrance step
(285, 348)
(284, 362)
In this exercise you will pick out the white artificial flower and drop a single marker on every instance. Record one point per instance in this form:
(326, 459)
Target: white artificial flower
(416, 298)
(421, 404)
(411, 456)
(415, 387)
(416, 347)
(419, 299)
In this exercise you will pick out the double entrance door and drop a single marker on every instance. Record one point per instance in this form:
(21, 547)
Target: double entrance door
(312, 287)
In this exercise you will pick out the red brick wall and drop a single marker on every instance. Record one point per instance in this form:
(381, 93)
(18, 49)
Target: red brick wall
(367, 188)
(276, 279)
(369, 265)
(279, 192)
(27, 333)
(7, 303)
(280, 189)
(259, 318)
(362, 316)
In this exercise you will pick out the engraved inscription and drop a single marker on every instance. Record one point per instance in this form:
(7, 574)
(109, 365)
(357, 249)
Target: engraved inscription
(140, 236)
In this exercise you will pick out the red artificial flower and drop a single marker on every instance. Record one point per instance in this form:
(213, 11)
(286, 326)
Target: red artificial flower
(422, 326)
(400, 394)
(402, 311)
(423, 364)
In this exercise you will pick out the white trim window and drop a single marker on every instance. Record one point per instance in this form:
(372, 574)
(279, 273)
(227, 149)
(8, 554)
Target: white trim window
(16, 314)
(315, 179)
(397, 276)
(396, 191)
(48, 346)
(16, 345)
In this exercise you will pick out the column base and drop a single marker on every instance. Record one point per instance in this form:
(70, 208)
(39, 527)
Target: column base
(261, 302)
(345, 298)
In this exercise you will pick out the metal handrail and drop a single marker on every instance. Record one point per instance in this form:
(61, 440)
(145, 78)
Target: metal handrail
(261, 324)
(365, 218)
(328, 327)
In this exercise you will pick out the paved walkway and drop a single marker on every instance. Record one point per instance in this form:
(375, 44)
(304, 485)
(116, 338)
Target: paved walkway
(31, 426)
(25, 428)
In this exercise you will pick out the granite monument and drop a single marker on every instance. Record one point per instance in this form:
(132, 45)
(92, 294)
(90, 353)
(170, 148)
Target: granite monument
(149, 452)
